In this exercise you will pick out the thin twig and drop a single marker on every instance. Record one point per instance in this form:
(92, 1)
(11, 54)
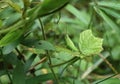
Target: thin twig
(41, 61)
(108, 63)
(21, 56)
(72, 61)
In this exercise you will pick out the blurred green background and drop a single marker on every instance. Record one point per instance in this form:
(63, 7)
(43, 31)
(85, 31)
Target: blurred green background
(101, 16)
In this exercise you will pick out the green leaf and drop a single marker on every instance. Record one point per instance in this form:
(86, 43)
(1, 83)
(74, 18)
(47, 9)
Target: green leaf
(11, 58)
(12, 19)
(33, 43)
(46, 8)
(11, 37)
(19, 74)
(45, 45)
(38, 79)
(89, 44)
(109, 21)
(83, 17)
(110, 4)
(7, 12)
(9, 48)
(70, 43)
(111, 12)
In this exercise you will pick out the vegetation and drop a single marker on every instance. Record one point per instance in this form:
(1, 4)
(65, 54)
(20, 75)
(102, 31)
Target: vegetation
(59, 41)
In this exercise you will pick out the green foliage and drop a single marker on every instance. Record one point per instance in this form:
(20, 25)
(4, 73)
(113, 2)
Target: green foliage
(70, 43)
(10, 37)
(59, 41)
(19, 74)
(89, 44)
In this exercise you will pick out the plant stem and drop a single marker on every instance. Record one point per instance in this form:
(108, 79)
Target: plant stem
(42, 28)
(72, 61)
(20, 56)
(106, 79)
(63, 62)
(41, 61)
(91, 19)
(56, 78)
(48, 55)
(108, 63)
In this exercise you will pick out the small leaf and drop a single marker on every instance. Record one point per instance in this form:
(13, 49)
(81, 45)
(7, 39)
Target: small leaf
(45, 45)
(89, 44)
(70, 43)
